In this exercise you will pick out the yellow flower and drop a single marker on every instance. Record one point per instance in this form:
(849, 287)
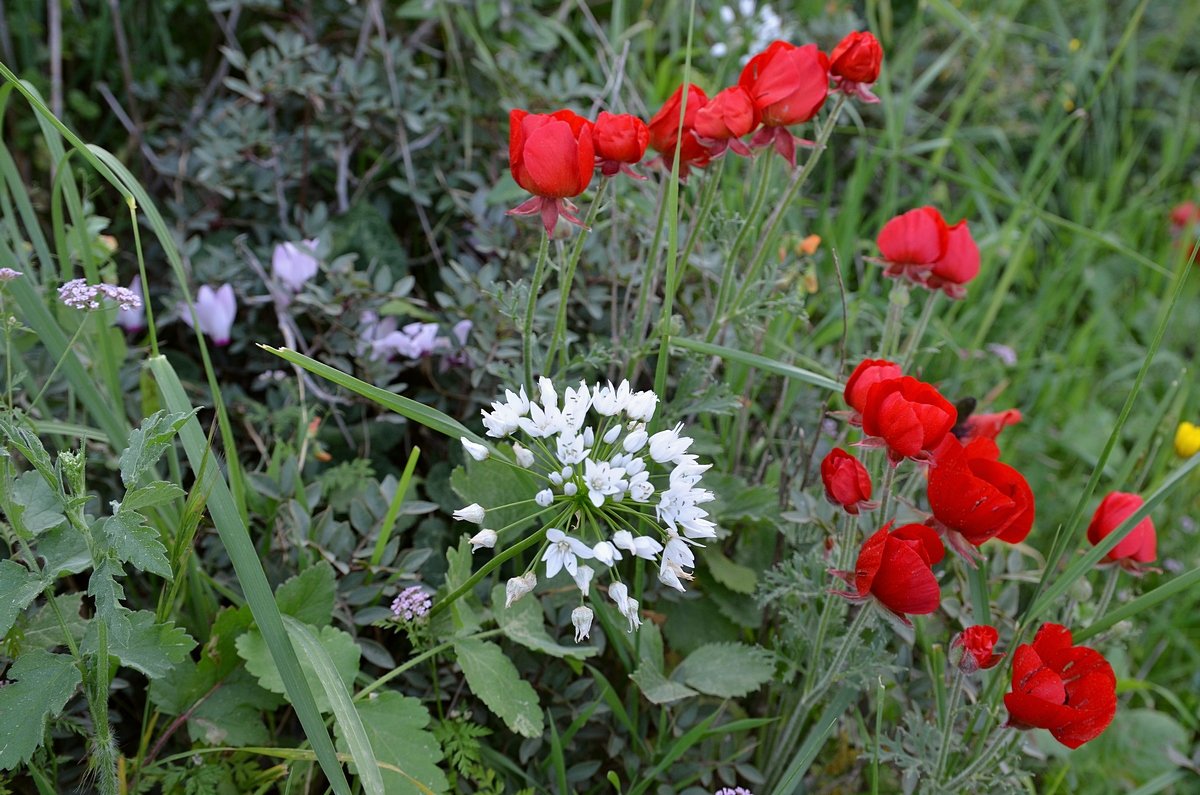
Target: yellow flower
(1187, 440)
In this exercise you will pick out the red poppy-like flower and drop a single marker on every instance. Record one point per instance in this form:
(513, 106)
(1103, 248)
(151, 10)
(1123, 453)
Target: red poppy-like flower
(665, 131)
(868, 373)
(727, 117)
(551, 156)
(919, 246)
(986, 426)
(1139, 546)
(896, 567)
(846, 482)
(620, 140)
(788, 85)
(1184, 215)
(854, 65)
(1070, 690)
(976, 497)
(974, 648)
(909, 417)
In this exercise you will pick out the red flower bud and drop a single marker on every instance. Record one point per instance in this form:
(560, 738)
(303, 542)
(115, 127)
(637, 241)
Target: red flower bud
(909, 417)
(665, 131)
(868, 373)
(895, 567)
(729, 114)
(920, 247)
(1070, 690)
(1140, 545)
(552, 157)
(846, 481)
(977, 496)
(619, 140)
(788, 84)
(973, 648)
(857, 58)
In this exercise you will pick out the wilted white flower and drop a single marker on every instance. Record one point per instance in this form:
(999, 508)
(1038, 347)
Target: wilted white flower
(581, 617)
(518, 587)
(484, 539)
(583, 578)
(626, 606)
(476, 451)
(471, 513)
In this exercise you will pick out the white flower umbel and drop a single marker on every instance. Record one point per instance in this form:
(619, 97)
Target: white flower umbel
(607, 489)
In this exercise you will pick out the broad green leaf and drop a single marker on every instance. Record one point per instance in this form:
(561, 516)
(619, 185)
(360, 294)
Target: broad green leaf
(340, 647)
(233, 713)
(108, 593)
(64, 550)
(148, 442)
(494, 679)
(465, 609)
(41, 509)
(490, 483)
(525, 624)
(40, 685)
(1131, 752)
(154, 649)
(18, 588)
(41, 630)
(134, 542)
(308, 597)
(407, 752)
(727, 670)
(657, 688)
(693, 622)
(151, 495)
(734, 576)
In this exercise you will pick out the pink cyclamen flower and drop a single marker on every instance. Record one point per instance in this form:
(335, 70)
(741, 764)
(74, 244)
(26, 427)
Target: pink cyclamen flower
(295, 263)
(133, 319)
(412, 603)
(215, 311)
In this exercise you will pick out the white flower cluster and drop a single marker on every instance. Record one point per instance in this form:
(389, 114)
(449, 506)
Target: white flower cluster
(78, 294)
(607, 480)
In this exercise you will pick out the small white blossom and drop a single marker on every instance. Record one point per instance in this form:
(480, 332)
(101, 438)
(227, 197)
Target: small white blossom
(581, 617)
(571, 449)
(547, 393)
(518, 587)
(570, 489)
(640, 488)
(602, 480)
(484, 539)
(606, 553)
(563, 553)
(583, 578)
(641, 546)
(641, 406)
(476, 451)
(471, 513)
(501, 421)
(611, 434)
(671, 574)
(524, 457)
(669, 445)
(542, 421)
(544, 498)
(636, 440)
(626, 606)
(608, 400)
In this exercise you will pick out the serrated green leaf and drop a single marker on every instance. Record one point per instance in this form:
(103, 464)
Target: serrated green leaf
(734, 576)
(148, 442)
(132, 541)
(64, 550)
(339, 645)
(494, 679)
(525, 624)
(42, 630)
(657, 688)
(407, 753)
(308, 597)
(30, 446)
(18, 588)
(151, 495)
(727, 670)
(41, 509)
(108, 593)
(490, 482)
(151, 648)
(40, 685)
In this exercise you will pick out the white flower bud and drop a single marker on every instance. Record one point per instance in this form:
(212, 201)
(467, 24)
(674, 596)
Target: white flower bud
(641, 406)
(484, 539)
(471, 513)
(606, 553)
(581, 617)
(544, 498)
(524, 457)
(635, 441)
(556, 478)
(518, 587)
(570, 489)
(611, 434)
(476, 451)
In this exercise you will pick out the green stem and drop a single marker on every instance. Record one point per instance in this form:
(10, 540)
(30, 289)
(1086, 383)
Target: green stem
(639, 323)
(415, 661)
(59, 363)
(839, 659)
(885, 490)
(531, 308)
(1000, 742)
(948, 725)
(743, 234)
(393, 511)
(1110, 588)
(707, 199)
(897, 301)
(914, 339)
(137, 246)
(567, 277)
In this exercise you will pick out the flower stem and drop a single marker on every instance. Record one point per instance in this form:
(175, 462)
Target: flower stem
(639, 323)
(731, 258)
(535, 286)
(1110, 588)
(897, 301)
(885, 489)
(839, 659)
(567, 277)
(948, 725)
(914, 339)
(1000, 742)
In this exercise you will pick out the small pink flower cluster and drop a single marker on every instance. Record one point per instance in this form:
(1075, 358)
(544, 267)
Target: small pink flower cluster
(8, 274)
(78, 294)
(412, 603)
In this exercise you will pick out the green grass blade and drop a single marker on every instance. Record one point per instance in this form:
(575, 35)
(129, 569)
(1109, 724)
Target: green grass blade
(1178, 585)
(405, 407)
(761, 362)
(244, 557)
(814, 741)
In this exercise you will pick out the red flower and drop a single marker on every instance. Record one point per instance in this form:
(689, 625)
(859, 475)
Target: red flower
(619, 140)
(552, 157)
(977, 497)
(1070, 690)
(895, 566)
(920, 247)
(846, 482)
(854, 65)
(1140, 545)
(974, 647)
(665, 131)
(1184, 215)
(788, 85)
(727, 117)
(909, 417)
(986, 426)
(868, 373)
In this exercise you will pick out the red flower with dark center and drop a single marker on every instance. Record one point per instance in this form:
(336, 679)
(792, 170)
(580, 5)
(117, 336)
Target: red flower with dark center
(1070, 690)
(620, 140)
(1139, 546)
(868, 373)
(846, 482)
(854, 65)
(788, 85)
(895, 567)
(974, 647)
(974, 496)
(909, 417)
(665, 131)
(727, 117)
(552, 157)
(919, 246)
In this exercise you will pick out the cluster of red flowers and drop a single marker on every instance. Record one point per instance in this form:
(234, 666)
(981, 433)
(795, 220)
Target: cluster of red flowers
(554, 155)
(973, 497)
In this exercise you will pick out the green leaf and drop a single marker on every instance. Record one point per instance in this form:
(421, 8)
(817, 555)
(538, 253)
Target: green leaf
(232, 713)
(28, 444)
(760, 362)
(339, 645)
(148, 442)
(41, 508)
(408, 754)
(465, 609)
(693, 622)
(493, 677)
(490, 482)
(308, 597)
(657, 688)
(132, 541)
(18, 588)
(727, 670)
(734, 576)
(40, 685)
(1131, 752)
(64, 550)
(154, 649)
(151, 495)
(108, 593)
(525, 624)
(42, 631)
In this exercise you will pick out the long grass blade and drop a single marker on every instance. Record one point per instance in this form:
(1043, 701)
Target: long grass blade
(761, 362)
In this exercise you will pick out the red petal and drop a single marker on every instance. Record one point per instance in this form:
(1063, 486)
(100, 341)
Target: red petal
(904, 582)
(918, 237)
(551, 158)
